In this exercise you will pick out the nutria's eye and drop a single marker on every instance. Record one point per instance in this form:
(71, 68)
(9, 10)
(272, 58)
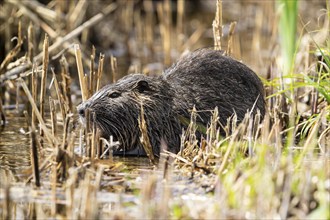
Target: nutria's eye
(114, 95)
(142, 86)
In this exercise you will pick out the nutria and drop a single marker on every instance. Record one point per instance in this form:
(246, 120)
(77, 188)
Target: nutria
(205, 79)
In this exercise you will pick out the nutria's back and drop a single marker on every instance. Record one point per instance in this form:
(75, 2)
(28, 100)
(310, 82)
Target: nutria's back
(205, 79)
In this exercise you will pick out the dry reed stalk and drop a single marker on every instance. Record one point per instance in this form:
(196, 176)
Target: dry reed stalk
(114, 68)
(41, 10)
(8, 33)
(66, 131)
(165, 17)
(77, 15)
(31, 14)
(229, 150)
(230, 47)
(148, 194)
(99, 72)
(71, 147)
(93, 140)
(257, 33)
(314, 101)
(53, 116)
(91, 86)
(127, 15)
(66, 82)
(18, 91)
(149, 25)
(98, 144)
(12, 54)
(286, 190)
(250, 139)
(179, 24)
(271, 129)
(110, 145)
(34, 89)
(87, 136)
(139, 38)
(81, 141)
(163, 209)
(195, 37)
(51, 139)
(217, 26)
(192, 128)
(101, 148)
(168, 29)
(30, 42)
(63, 105)
(30, 55)
(324, 138)
(21, 70)
(43, 79)
(292, 113)
(32, 212)
(34, 157)
(92, 21)
(2, 114)
(53, 187)
(89, 203)
(144, 139)
(311, 141)
(44, 165)
(211, 133)
(257, 125)
(70, 191)
(98, 177)
(81, 74)
(164, 165)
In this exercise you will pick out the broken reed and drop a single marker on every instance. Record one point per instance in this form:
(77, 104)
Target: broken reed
(66, 82)
(217, 26)
(63, 150)
(34, 157)
(144, 139)
(43, 79)
(89, 84)
(81, 74)
(114, 69)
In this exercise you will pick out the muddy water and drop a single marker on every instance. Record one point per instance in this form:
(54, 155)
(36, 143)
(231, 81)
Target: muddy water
(15, 150)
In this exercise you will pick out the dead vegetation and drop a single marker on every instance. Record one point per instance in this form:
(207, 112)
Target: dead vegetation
(276, 169)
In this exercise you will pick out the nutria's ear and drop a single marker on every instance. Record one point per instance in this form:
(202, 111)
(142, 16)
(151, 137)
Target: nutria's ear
(142, 86)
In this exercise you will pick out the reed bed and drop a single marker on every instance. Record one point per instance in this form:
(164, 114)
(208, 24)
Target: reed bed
(275, 168)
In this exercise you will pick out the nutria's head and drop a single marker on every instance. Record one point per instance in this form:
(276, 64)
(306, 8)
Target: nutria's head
(115, 110)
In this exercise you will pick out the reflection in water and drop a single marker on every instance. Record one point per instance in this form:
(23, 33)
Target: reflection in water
(134, 162)
(14, 145)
